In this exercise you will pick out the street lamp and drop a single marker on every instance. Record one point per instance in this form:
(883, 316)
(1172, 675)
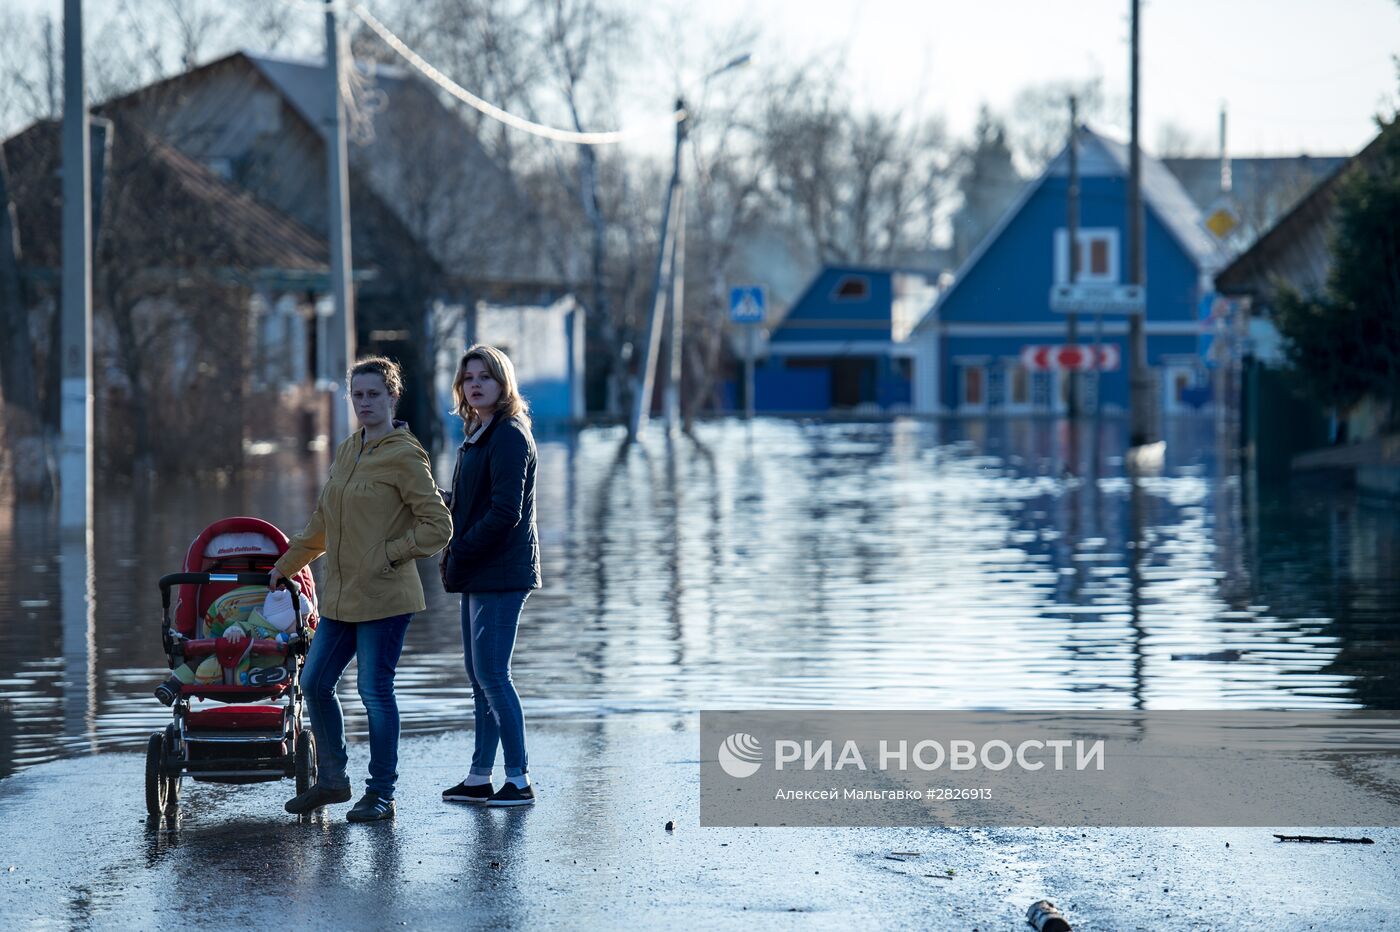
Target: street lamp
(670, 267)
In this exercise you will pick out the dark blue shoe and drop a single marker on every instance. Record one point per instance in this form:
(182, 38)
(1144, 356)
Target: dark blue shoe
(371, 808)
(316, 797)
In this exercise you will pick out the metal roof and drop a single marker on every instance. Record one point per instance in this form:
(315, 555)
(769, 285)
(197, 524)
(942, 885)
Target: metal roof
(1275, 179)
(425, 163)
(303, 82)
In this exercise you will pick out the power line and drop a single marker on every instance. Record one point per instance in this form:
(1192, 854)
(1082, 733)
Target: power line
(496, 113)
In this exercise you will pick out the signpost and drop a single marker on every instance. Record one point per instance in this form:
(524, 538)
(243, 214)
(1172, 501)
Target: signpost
(748, 305)
(1098, 298)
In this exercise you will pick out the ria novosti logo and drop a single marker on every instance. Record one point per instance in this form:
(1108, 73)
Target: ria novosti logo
(740, 755)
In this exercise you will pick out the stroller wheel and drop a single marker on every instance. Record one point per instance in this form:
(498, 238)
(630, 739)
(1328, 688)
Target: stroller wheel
(170, 767)
(306, 761)
(155, 777)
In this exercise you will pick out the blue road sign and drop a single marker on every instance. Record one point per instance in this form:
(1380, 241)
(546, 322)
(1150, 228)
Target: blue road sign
(747, 304)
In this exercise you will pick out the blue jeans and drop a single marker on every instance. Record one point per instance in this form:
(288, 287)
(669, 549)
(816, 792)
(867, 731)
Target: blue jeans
(489, 620)
(377, 644)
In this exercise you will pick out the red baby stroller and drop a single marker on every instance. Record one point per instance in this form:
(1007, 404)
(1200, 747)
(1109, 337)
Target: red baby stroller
(261, 737)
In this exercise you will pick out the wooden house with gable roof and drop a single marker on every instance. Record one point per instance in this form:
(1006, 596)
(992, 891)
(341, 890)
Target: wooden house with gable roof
(969, 345)
(435, 221)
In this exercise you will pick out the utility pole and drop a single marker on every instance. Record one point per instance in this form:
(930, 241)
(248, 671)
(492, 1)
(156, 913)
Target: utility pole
(671, 218)
(75, 457)
(670, 269)
(1072, 222)
(342, 324)
(673, 384)
(51, 71)
(1226, 176)
(1140, 430)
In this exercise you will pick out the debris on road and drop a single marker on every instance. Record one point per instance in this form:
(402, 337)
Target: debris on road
(1044, 917)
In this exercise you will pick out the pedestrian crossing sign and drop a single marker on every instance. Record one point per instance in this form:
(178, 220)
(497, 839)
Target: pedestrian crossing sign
(748, 304)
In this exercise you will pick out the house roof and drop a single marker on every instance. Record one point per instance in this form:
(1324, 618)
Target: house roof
(419, 159)
(303, 82)
(151, 184)
(1101, 156)
(1271, 178)
(826, 322)
(1314, 208)
(1164, 196)
(417, 150)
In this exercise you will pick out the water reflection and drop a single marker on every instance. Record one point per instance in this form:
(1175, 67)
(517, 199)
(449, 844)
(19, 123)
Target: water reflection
(77, 598)
(972, 564)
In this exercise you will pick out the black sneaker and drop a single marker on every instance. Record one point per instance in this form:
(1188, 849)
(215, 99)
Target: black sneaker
(371, 808)
(461, 793)
(316, 797)
(512, 795)
(169, 691)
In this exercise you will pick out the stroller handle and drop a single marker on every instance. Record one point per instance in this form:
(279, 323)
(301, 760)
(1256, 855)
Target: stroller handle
(246, 579)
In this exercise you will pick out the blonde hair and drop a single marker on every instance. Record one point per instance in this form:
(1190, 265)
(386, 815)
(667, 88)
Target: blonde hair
(498, 365)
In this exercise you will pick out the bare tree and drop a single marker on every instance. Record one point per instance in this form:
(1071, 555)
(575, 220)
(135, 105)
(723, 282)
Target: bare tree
(27, 49)
(21, 426)
(485, 45)
(1175, 141)
(169, 318)
(864, 184)
(579, 39)
(728, 202)
(1038, 124)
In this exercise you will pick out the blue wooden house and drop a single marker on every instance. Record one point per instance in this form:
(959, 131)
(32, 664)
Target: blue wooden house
(969, 345)
(844, 345)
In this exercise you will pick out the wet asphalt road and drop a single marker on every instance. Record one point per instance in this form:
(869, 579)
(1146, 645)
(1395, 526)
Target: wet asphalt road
(77, 852)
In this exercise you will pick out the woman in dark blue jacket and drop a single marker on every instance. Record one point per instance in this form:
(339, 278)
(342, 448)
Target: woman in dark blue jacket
(494, 561)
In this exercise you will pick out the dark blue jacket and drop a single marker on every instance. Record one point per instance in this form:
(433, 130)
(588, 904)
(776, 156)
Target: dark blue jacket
(495, 544)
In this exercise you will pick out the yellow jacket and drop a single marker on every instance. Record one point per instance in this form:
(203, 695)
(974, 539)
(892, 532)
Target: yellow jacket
(378, 512)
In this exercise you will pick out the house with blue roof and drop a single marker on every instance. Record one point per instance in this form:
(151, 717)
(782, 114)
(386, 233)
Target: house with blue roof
(968, 347)
(844, 344)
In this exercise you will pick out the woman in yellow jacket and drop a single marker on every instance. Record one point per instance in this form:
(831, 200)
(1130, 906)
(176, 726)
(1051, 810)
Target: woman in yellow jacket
(379, 511)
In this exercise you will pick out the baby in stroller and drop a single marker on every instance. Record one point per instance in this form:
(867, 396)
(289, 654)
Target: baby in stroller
(228, 639)
(241, 616)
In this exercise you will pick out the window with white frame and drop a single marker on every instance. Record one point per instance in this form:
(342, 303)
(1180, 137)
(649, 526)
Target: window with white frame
(1096, 257)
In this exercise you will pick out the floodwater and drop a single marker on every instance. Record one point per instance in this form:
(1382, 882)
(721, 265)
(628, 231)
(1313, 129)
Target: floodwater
(909, 564)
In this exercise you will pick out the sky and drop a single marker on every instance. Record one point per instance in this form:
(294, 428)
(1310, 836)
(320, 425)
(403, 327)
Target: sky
(1296, 75)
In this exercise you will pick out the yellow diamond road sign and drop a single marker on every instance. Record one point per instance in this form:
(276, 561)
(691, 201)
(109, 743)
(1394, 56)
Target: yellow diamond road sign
(1222, 221)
